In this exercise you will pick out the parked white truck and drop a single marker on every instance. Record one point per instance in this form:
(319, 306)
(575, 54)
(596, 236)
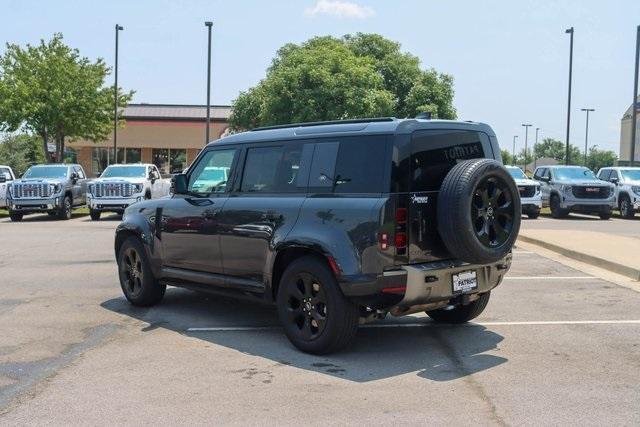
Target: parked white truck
(122, 185)
(6, 177)
(627, 188)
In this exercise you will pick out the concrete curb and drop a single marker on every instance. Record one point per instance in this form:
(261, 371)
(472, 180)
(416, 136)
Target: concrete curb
(624, 270)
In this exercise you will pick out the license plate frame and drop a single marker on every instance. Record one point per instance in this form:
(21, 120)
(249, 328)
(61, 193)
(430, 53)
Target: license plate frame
(464, 281)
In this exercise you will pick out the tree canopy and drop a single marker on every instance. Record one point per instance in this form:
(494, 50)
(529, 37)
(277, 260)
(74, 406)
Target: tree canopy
(356, 76)
(20, 151)
(52, 91)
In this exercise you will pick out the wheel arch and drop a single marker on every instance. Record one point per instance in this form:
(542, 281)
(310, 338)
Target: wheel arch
(288, 254)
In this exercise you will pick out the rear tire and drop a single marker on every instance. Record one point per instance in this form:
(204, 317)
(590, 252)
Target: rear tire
(556, 210)
(605, 215)
(461, 313)
(316, 316)
(64, 212)
(533, 214)
(16, 216)
(94, 214)
(137, 281)
(626, 209)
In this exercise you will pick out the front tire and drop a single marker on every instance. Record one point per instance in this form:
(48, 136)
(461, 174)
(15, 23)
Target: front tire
(94, 214)
(316, 316)
(16, 216)
(533, 214)
(626, 210)
(605, 215)
(137, 281)
(64, 213)
(556, 210)
(461, 313)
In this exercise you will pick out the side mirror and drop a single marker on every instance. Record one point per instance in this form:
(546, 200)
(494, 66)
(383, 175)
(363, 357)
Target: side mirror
(152, 176)
(179, 184)
(74, 176)
(615, 181)
(3, 179)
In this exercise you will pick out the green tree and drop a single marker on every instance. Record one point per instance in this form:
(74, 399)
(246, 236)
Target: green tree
(19, 151)
(507, 158)
(597, 159)
(555, 149)
(52, 91)
(326, 78)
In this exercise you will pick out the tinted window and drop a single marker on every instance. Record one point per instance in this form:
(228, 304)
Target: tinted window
(273, 170)
(539, 173)
(573, 173)
(79, 171)
(435, 152)
(213, 171)
(614, 174)
(6, 173)
(349, 165)
(605, 174)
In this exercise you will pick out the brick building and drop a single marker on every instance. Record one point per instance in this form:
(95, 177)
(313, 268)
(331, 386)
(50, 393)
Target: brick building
(170, 136)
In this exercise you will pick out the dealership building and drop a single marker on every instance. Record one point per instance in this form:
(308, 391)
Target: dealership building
(169, 136)
(625, 135)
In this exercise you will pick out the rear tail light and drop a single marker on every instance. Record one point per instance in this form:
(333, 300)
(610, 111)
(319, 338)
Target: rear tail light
(384, 241)
(401, 216)
(401, 240)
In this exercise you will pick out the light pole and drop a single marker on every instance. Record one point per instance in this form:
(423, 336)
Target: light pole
(566, 157)
(526, 138)
(115, 102)
(513, 151)
(634, 106)
(208, 24)
(535, 147)
(586, 133)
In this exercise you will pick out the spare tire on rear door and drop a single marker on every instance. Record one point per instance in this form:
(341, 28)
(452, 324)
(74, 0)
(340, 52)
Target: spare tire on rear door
(479, 211)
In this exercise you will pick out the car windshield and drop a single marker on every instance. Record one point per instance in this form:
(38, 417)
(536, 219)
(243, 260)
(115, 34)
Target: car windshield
(517, 173)
(574, 173)
(46, 172)
(124, 172)
(631, 174)
(5, 172)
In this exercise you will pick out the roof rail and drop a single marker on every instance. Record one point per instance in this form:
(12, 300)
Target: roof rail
(332, 122)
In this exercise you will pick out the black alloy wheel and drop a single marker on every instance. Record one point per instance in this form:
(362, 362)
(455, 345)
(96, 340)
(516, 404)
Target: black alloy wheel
(131, 272)
(492, 212)
(65, 210)
(307, 306)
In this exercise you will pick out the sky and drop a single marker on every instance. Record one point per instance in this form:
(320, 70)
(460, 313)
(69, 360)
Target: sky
(509, 59)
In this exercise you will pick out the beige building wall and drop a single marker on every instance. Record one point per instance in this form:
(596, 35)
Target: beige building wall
(147, 135)
(625, 139)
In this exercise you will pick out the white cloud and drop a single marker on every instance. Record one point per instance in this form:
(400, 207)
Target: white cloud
(341, 9)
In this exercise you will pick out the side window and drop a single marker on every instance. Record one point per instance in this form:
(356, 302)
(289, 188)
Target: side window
(351, 165)
(547, 174)
(614, 174)
(274, 170)
(79, 171)
(213, 172)
(539, 173)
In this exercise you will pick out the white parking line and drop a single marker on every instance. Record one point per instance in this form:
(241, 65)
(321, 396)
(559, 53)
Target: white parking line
(548, 277)
(523, 252)
(432, 324)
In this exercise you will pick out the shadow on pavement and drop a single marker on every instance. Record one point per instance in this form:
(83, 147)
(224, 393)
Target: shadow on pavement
(436, 352)
(37, 217)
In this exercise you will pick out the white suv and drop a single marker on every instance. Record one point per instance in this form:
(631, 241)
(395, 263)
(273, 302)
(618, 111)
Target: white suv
(529, 190)
(627, 188)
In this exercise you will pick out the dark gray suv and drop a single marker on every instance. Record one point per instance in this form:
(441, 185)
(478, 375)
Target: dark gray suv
(337, 223)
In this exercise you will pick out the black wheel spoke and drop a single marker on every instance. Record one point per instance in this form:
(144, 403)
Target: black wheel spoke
(492, 211)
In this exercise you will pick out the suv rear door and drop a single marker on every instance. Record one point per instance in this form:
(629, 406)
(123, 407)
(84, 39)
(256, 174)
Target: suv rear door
(433, 154)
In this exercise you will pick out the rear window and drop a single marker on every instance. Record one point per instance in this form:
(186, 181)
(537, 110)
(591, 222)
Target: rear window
(435, 152)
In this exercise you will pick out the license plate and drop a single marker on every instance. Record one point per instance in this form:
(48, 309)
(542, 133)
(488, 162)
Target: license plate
(465, 281)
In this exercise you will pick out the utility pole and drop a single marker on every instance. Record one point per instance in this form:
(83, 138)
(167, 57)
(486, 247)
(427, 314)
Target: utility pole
(634, 106)
(535, 155)
(586, 134)
(513, 151)
(208, 24)
(526, 138)
(115, 103)
(566, 157)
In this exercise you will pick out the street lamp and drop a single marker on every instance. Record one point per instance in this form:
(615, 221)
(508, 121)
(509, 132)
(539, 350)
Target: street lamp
(513, 152)
(535, 155)
(586, 133)
(634, 106)
(208, 24)
(115, 101)
(566, 157)
(526, 138)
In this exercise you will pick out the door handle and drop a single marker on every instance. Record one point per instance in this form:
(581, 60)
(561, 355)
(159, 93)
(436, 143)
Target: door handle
(269, 216)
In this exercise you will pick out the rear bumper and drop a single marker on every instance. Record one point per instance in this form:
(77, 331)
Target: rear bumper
(417, 285)
(34, 205)
(104, 204)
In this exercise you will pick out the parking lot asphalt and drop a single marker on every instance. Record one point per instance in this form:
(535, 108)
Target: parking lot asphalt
(578, 222)
(555, 346)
